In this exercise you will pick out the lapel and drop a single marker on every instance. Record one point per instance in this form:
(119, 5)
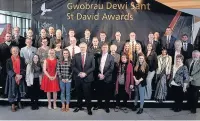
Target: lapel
(195, 68)
(86, 58)
(106, 63)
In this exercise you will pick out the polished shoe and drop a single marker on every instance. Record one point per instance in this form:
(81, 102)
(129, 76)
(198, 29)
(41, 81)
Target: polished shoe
(140, 111)
(96, 108)
(77, 109)
(193, 111)
(134, 108)
(116, 109)
(107, 110)
(33, 107)
(125, 110)
(177, 110)
(89, 112)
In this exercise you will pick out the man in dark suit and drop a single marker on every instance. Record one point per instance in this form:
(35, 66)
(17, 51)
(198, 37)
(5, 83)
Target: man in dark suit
(168, 41)
(187, 48)
(102, 39)
(52, 37)
(105, 84)
(19, 40)
(4, 55)
(83, 66)
(66, 41)
(133, 41)
(43, 35)
(118, 42)
(87, 38)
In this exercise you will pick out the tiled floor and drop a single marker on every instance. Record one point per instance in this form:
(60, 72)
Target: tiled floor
(44, 114)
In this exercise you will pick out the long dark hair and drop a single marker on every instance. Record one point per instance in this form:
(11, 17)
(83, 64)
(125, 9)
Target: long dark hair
(62, 57)
(38, 64)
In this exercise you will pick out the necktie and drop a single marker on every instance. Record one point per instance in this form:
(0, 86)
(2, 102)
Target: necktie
(185, 46)
(191, 68)
(73, 51)
(82, 60)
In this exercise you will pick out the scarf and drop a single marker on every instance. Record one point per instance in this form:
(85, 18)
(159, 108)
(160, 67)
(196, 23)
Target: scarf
(129, 79)
(16, 66)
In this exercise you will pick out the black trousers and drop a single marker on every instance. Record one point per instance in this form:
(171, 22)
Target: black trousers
(104, 91)
(83, 89)
(35, 90)
(122, 95)
(193, 96)
(178, 96)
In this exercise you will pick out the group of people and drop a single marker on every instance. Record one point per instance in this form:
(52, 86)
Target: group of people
(52, 64)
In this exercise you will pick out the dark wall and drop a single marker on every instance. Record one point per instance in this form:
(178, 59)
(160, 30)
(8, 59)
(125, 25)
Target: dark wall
(23, 6)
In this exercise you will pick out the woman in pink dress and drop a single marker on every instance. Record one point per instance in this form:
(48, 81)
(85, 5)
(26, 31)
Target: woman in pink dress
(49, 81)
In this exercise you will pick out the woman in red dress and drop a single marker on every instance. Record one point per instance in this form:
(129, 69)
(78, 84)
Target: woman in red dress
(49, 81)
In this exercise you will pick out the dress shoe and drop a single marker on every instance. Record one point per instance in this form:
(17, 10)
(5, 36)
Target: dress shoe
(193, 111)
(134, 108)
(89, 112)
(177, 110)
(125, 110)
(96, 108)
(107, 110)
(116, 109)
(77, 109)
(140, 111)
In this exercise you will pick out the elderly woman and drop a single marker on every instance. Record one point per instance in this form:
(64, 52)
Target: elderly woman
(178, 46)
(163, 72)
(15, 82)
(178, 82)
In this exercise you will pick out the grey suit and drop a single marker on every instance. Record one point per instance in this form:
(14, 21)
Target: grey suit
(193, 91)
(28, 53)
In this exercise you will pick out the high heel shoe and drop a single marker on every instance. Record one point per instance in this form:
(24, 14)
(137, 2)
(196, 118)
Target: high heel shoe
(140, 111)
(13, 109)
(54, 106)
(67, 108)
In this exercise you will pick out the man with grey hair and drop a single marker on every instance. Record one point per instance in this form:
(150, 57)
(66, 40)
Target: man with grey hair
(20, 41)
(83, 65)
(193, 65)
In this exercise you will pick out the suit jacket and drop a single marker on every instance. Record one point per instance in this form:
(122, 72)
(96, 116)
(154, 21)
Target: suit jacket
(120, 45)
(187, 53)
(195, 72)
(20, 42)
(108, 68)
(88, 67)
(181, 76)
(170, 49)
(38, 42)
(89, 44)
(25, 54)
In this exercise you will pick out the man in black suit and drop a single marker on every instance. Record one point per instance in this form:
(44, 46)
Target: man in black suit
(118, 42)
(102, 39)
(105, 82)
(66, 41)
(52, 37)
(43, 35)
(4, 55)
(133, 41)
(19, 40)
(87, 38)
(187, 48)
(83, 66)
(168, 41)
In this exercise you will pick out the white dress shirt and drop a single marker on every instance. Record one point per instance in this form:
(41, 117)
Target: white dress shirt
(76, 49)
(103, 61)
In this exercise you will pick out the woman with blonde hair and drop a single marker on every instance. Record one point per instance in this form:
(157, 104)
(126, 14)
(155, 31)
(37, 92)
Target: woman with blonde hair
(140, 74)
(49, 81)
